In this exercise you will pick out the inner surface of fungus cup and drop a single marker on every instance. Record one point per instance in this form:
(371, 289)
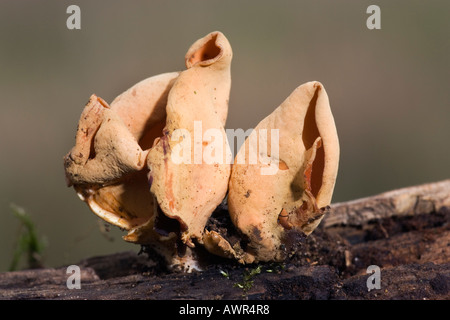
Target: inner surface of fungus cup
(139, 164)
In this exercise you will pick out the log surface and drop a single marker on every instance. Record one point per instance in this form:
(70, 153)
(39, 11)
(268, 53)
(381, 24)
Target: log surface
(405, 232)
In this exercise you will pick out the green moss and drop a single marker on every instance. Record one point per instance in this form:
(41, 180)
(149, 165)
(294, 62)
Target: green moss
(248, 279)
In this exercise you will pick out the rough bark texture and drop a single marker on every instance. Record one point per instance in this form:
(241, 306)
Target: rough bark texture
(405, 232)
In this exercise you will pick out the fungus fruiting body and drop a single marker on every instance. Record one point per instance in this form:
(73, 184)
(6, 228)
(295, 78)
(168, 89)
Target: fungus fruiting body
(296, 196)
(138, 164)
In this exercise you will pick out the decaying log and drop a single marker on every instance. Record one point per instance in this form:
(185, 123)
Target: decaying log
(405, 232)
(422, 199)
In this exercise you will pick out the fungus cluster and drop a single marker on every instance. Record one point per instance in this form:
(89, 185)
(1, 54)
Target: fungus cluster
(138, 164)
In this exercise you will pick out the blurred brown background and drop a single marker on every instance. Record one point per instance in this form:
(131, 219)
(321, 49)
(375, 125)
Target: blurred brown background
(389, 90)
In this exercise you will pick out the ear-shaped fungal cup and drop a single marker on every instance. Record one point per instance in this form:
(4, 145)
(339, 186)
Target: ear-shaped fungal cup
(188, 192)
(295, 196)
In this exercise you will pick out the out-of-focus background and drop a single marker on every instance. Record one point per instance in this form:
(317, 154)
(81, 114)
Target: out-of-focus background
(389, 91)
